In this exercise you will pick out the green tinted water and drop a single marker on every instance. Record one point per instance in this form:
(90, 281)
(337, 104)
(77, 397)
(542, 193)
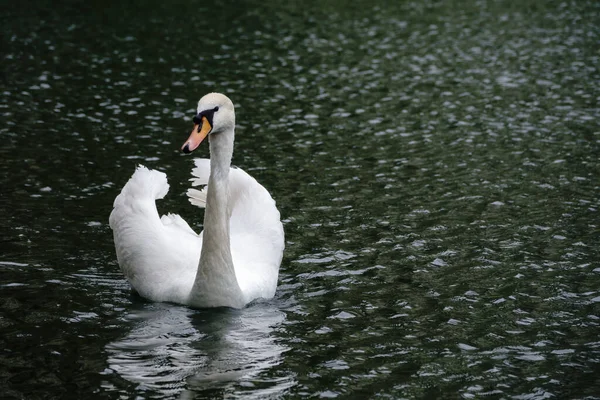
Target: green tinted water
(435, 164)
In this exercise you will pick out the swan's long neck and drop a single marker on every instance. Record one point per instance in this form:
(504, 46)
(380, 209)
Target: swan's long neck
(215, 282)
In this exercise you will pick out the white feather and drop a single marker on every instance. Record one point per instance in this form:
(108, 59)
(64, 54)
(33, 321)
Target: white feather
(197, 197)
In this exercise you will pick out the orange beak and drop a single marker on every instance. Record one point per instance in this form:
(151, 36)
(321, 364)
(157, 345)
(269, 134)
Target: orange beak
(197, 136)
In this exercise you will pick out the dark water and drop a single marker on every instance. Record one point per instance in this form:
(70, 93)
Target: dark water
(436, 165)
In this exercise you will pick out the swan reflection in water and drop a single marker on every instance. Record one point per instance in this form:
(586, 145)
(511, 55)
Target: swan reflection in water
(176, 351)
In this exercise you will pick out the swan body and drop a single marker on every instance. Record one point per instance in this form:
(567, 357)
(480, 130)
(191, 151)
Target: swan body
(235, 260)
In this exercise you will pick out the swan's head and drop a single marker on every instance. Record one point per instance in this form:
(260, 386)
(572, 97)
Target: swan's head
(215, 114)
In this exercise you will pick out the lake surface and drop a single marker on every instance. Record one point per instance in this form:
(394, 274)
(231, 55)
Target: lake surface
(436, 165)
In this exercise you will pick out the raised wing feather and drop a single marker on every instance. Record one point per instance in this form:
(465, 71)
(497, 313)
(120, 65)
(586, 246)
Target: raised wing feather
(159, 256)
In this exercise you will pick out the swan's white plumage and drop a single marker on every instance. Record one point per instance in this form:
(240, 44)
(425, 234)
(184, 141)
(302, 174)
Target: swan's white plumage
(256, 231)
(160, 256)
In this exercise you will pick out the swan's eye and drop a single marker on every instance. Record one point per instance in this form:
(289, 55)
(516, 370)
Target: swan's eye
(216, 109)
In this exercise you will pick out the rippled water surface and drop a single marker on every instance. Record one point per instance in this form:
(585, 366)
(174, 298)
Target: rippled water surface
(436, 165)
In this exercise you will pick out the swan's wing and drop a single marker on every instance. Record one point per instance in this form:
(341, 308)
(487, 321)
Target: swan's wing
(197, 197)
(257, 238)
(159, 256)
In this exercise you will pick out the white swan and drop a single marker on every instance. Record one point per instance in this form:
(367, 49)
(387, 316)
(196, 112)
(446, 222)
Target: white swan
(234, 260)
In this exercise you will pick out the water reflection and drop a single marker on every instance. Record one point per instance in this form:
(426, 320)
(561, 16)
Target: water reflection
(174, 351)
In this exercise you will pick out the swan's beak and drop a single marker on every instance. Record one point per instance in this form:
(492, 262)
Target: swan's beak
(197, 136)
